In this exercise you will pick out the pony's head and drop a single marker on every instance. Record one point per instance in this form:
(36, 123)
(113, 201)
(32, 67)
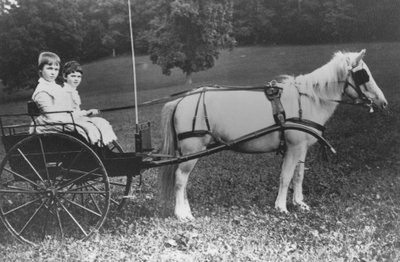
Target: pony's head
(359, 85)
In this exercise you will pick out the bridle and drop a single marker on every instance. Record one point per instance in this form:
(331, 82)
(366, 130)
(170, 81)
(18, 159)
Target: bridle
(360, 78)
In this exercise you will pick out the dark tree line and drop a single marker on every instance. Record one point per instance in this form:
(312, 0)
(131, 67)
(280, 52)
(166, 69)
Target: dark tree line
(315, 21)
(90, 29)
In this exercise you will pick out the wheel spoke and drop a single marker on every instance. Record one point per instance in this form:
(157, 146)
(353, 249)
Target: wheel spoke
(59, 222)
(87, 184)
(18, 188)
(78, 178)
(83, 207)
(44, 228)
(49, 206)
(74, 160)
(115, 202)
(21, 206)
(103, 194)
(93, 200)
(95, 203)
(117, 184)
(70, 192)
(81, 195)
(70, 166)
(73, 197)
(81, 192)
(30, 164)
(14, 191)
(31, 218)
(96, 175)
(21, 176)
(73, 219)
(44, 160)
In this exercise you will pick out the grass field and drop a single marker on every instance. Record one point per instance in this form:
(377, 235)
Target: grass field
(354, 196)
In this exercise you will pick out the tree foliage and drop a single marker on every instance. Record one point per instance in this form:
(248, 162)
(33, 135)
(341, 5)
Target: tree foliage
(30, 28)
(315, 21)
(189, 34)
(74, 29)
(186, 34)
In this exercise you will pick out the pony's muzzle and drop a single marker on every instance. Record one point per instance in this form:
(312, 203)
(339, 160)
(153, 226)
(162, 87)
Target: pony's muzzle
(382, 104)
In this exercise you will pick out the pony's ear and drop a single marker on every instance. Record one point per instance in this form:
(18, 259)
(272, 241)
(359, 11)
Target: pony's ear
(349, 65)
(359, 57)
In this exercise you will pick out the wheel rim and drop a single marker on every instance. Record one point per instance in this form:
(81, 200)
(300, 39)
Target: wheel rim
(120, 186)
(53, 185)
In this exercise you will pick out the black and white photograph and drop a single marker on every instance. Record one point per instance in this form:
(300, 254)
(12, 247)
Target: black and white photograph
(200, 130)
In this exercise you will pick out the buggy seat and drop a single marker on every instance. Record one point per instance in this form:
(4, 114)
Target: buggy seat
(34, 111)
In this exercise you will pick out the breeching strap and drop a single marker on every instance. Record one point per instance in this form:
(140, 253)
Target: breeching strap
(194, 132)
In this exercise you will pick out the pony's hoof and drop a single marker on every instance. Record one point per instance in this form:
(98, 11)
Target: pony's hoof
(185, 218)
(302, 205)
(281, 209)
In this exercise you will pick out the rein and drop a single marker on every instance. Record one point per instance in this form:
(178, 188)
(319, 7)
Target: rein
(185, 93)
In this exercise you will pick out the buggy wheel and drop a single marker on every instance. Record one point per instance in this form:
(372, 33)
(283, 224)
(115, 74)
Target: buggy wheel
(120, 186)
(53, 186)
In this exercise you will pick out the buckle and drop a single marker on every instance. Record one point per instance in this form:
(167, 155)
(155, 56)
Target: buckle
(272, 91)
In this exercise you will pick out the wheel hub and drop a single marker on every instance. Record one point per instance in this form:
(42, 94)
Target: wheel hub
(51, 192)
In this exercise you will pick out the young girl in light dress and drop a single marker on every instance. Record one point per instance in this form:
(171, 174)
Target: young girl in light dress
(51, 97)
(72, 74)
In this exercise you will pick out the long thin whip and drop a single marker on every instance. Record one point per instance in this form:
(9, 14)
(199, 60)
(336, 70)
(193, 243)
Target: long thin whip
(133, 64)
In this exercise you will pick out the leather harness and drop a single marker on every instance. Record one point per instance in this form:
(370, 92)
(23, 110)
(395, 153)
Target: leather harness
(273, 94)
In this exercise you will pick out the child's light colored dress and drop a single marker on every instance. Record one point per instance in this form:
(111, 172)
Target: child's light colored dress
(106, 130)
(51, 97)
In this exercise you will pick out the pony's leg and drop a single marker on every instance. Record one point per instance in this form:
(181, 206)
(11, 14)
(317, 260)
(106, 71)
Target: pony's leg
(187, 146)
(182, 207)
(298, 198)
(290, 160)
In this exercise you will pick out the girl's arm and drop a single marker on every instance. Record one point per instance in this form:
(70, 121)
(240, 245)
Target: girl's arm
(45, 102)
(77, 102)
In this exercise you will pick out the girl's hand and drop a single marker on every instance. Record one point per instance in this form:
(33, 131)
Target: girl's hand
(93, 112)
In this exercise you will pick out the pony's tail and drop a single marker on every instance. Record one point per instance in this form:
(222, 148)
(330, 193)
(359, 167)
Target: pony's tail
(167, 174)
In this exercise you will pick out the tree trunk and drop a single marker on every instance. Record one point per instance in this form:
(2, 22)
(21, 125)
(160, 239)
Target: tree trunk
(189, 80)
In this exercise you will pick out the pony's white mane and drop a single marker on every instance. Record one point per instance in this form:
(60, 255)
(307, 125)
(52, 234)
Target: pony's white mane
(324, 82)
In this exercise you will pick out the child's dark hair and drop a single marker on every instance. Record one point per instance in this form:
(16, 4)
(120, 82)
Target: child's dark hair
(71, 67)
(48, 58)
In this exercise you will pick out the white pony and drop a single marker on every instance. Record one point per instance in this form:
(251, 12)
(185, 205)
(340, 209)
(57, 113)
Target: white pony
(194, 122)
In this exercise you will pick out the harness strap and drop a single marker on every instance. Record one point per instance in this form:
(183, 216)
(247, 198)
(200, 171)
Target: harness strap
(196, 111)
(194, 133)
(273, 94)
(307, 122)
(299, 102)
(205, 111)
(176, 145)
